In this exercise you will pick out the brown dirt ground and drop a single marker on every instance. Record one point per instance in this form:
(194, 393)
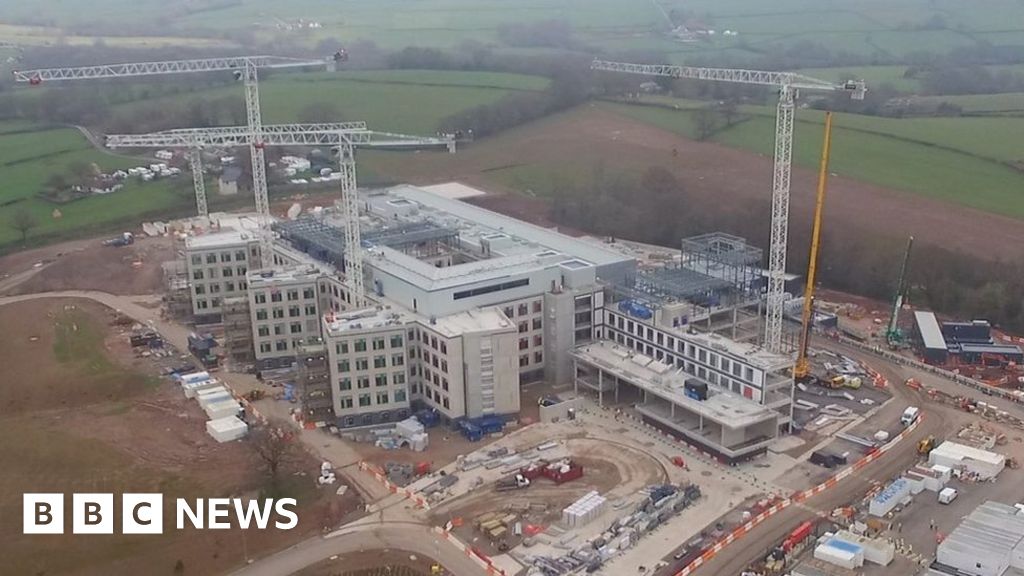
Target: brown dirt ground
(141, 436)
(398, 563)
(585, 136)
(131, 270)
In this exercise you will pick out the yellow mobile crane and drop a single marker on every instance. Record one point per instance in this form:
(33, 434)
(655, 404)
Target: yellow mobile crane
(802, 370)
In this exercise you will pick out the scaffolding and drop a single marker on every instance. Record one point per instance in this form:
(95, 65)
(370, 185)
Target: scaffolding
(314, 382)
(238, 342)
(729, 258)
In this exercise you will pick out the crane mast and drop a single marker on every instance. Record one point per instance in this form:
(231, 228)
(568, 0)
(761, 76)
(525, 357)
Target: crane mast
(893, 335)
(803, 368)
(788, 84)
(244, 67)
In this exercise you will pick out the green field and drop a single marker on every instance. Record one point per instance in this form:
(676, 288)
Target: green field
(961, 160)
(409, 101)
(1010, 104)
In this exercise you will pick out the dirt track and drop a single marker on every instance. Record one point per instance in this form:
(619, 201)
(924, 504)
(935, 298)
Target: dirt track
(585, 136)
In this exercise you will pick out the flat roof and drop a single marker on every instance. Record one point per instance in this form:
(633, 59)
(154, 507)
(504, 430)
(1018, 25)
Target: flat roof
(725, 408)
(429, 277)
(928, 326)
(283, 274)
(580, 248)
(992, 530)
(366, 319)
(479, 320)
(223, 239)
(745, 352)
(454, 190)
(961, 451)
(989, 348)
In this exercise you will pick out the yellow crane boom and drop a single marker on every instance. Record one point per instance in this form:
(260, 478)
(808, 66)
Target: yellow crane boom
(803, 366)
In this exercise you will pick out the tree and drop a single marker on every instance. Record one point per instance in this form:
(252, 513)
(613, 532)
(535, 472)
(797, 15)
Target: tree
(705, 121)
(22, 220)
(274, 447)
(729, 111)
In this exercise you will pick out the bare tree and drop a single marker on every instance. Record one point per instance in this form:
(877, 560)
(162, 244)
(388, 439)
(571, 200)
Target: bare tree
(705, 121)
(274, 447)
(22, 220)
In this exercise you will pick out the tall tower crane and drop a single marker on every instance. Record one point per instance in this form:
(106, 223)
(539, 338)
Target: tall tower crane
(789, 84)
(893, 334)
(244, 68)
(347, 136)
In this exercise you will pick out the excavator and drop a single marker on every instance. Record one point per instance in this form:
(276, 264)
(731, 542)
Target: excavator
(802, 369)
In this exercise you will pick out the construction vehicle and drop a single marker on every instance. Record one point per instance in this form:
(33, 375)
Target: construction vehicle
(788, 84)
(802, 369)
(926, 445)
(893, 334)
(513, 482)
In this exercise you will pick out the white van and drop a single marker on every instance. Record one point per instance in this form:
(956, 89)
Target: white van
(947, 495)
(910, 415)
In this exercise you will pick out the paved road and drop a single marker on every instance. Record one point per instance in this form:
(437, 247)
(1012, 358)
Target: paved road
(412, 537)
(757, 543)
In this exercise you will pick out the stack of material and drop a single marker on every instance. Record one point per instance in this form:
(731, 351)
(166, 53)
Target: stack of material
(841, 553)
(226, 429)
(893, 495)
(875, 550)
(222, 409)
(584, 510)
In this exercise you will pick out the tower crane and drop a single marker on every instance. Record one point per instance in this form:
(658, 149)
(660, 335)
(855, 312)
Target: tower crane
(347, 136)
(789, 84)
(802, 369)
(893, 334)
(243, 67)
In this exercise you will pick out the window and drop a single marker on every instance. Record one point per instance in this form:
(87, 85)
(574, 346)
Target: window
(275, 295)
(240, 271)
(215, 288)
(363, 382)
(378, 343)
(360, 346)
(380, 361)
(225, 256)
(537, 324)
(294, 312)
(308, 293)
(524, 360)
(396, 341)
(523, 310)
(278, 313)
(239, 255)
(444, 401)
(295, 327)
(281, 345)
(293, 295)
(382, 398)
(341, 347)
(397, 360)
(524, 326)
(433, 342)
(399, 395)
(343, 366)
(398, 378)
(380, 380)
(211, 258)
(364, 400)
(310, 310)
(197, 275)
(197, 260)
(264, 331)
(524, 343)
(444, 366)
(537, 306)
(509, 311)
(492, 288)
(229, 286)
(538, 340)
(538, 357)
(265, 347)
(444, 348)
(261, 314)
(362, 364)
(345, 384)
(444, 384)
(346, 402)
(200, 289)
(212, 273)
(227, 272)
(261, 297)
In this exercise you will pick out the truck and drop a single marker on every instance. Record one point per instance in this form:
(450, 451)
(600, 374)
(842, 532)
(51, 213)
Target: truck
(947, 495)
(513, 482)
(910, 415)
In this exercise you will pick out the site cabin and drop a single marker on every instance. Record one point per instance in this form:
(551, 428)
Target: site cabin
(910, 415)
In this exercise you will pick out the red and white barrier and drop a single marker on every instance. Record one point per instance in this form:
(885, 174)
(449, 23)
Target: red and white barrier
(420, 501)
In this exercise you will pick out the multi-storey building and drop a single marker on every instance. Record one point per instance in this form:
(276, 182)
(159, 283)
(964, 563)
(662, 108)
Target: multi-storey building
(284, 305)
(217, 265)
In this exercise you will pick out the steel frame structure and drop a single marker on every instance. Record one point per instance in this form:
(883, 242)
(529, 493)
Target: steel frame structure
(788, 84)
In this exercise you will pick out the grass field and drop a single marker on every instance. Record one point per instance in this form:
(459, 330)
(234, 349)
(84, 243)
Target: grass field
(1010, 104)
(962, 160)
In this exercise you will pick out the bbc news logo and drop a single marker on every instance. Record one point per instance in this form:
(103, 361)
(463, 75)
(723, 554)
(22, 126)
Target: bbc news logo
(144, 513)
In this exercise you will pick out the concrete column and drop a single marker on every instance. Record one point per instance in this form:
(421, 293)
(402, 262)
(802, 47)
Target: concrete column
(600, 387)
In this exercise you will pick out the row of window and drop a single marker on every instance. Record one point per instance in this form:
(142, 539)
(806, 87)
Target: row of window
(363, 363)
(293, 328)
(364, 400)
(524, 343)
(293, 312)
(379, 380)
(359, 344)
(523, 309)
(203, 304)
(276, 295)
(432, 359)
(279, 345)
(524, 360)
(525, 326)
(427, 339)
(201, 289)
(212, 258)
(211, 273)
